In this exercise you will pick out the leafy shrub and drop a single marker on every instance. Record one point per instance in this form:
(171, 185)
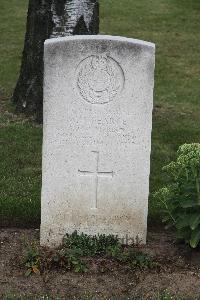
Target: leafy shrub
(181, 198)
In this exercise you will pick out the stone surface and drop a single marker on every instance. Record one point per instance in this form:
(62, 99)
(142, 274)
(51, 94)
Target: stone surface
(98, 96)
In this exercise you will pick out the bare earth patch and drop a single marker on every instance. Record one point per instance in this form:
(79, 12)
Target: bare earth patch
(179, 272)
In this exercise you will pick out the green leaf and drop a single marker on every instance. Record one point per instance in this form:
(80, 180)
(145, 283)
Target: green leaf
(166, 219)
(194, 221)
(188, 203)
(183, 222)
(197, 185)
(28, 272)
(195, 238)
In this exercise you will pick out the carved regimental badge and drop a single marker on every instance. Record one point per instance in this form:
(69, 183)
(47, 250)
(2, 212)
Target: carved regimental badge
(100, 79)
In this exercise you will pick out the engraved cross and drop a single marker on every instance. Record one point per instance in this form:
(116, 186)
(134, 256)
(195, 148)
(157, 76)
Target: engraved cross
(96, 175)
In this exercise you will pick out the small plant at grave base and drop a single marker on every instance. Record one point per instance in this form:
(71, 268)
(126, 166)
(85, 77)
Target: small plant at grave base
(108, 246)
(76, 248)
(181, 198)
(32, 259)
(135, 259)
(90, 245)
(70, 259)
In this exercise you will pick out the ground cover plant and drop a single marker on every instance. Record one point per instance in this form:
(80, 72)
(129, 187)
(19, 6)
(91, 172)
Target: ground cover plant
(181, 198)
(78, 248)
(175, 29)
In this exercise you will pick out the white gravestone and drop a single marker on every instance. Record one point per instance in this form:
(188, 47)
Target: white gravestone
(98, 96)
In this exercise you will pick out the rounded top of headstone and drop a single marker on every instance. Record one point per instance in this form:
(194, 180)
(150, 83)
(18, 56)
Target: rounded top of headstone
(100, 37)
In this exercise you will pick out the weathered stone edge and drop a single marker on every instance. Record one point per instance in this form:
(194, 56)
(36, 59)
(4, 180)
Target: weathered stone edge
(100, 37)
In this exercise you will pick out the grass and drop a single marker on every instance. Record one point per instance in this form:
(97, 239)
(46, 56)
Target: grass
(20, 173)
(161, 296)
(12, 28)
(173, 25)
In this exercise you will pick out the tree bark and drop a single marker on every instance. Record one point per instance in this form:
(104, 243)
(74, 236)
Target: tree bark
(49, 19)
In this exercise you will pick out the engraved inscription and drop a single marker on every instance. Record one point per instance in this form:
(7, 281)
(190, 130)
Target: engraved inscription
(96, 175)
(99, 79)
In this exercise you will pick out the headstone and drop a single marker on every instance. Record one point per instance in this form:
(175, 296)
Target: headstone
(98, 96)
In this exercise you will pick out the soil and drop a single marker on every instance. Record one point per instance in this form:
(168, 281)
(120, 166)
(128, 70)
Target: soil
(178, 272)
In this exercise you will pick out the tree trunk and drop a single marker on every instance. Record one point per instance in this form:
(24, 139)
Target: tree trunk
(49, 19)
